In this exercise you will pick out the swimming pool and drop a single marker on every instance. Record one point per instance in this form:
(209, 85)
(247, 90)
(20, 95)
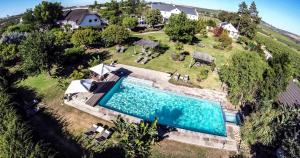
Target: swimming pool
(137, 97)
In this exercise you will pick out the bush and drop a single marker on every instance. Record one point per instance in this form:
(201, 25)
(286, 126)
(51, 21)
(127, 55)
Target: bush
(12, 37)
(217, 31)
(130, 22)
(85, 37)
(79, 74)
(225, 39)
(74, 51)
(203, 73)
(115, 34)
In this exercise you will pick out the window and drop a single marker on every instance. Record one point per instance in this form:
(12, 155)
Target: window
(90, 20)
(95, 20)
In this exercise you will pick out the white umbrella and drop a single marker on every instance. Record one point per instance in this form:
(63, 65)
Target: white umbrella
(78, 86)
(102, 69)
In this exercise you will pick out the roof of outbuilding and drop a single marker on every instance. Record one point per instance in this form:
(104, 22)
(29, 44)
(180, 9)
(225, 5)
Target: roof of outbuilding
(147, 43)
(291, 96)
(77, 15)
(203, 56)
(168, 7)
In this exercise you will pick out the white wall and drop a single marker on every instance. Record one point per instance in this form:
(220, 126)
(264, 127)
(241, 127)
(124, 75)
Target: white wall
(167, 15)
(91, 20)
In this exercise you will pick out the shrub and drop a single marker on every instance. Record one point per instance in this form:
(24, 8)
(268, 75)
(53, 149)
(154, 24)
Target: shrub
(115, 34)
(203, 73)
(74, 51)
(95, 61)
(217, 31)
(79, 74)
(130, 22)
(85, 37)
(12, 37)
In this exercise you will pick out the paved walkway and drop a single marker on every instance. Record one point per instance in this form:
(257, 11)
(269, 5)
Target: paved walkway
(161, 81)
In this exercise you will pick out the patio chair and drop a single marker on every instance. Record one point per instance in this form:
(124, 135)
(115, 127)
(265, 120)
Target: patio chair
(106, 134)
(140, 58)
(186, 78)
(145, 61)
(176, 76)
(91, 130)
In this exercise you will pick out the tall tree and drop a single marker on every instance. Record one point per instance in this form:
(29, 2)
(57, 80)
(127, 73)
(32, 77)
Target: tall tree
(39, 52)
(136, 140)
(253, 10)
(28, 17)
(130, 22)
(47, 13)
(180, 28)
(276, 77)
(243, 8)
(243, 75)
(153, 17)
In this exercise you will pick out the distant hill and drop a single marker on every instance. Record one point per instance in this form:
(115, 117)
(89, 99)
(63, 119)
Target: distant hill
(290, 35)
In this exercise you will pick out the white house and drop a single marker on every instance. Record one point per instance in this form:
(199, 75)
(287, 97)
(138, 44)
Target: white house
(233, 32)
(167, 10)
(81, 18)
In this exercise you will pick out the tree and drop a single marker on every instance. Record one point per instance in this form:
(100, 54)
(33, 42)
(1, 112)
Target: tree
(153, 17)
(115, 34)
(28, 17)
(243, 75)
(136, 140)
(243, 8)
(201, 28)
(211, 23)
(218, 31)
(47, 13)
(225, 39)
(15, 137)
(4, 78)
(253, 10)
(274, 126)
(38, 52)
(180, 28)
(85, 37)
(276, 77)
(9, 52)
(130, 22)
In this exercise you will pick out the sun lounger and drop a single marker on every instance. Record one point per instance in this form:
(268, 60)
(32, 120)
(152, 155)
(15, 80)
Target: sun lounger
(176, 77)
(103, 135)
(140, 58)
(186, 78)
(91, 130)
(145, 60)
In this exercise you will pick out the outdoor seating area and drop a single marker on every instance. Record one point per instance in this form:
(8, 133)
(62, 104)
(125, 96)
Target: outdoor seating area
(147, 52)
(99, 132)
(177, 77)
(90, 91)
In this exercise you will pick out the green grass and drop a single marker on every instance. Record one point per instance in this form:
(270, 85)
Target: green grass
(164, 62)
(44, 85)
(279, 37)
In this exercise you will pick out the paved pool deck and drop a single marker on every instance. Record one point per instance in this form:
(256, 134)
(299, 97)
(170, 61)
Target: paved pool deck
(161, 81)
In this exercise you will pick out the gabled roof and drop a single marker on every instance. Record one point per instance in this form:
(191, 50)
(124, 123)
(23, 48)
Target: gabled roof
(203, 56)
(228, 26)
(77, 15)
(168, 7)
(291, 96)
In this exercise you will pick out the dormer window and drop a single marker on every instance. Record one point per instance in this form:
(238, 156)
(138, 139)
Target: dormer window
(95, 20)
(90, 20)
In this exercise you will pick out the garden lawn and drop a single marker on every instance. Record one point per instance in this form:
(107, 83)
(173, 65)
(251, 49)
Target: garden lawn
(164, 62)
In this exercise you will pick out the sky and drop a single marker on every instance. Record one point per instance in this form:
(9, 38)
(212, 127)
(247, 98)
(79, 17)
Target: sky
(284, 14)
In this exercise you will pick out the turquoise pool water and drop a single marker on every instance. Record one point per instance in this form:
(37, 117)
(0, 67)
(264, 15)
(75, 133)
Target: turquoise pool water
(138, 98)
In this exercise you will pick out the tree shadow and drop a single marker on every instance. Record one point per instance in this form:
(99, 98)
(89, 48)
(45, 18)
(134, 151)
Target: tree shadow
(262, 151)
(132, 39)
(169, 117)
(113, 152)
